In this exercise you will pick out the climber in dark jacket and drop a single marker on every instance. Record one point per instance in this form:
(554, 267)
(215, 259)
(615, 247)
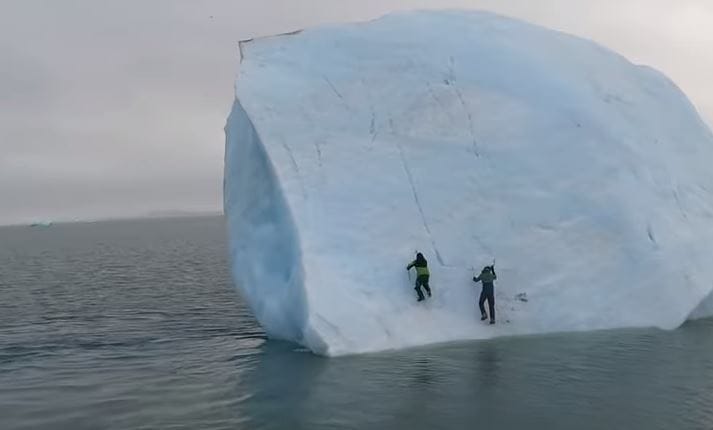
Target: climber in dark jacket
(487, 276)
(422, 275)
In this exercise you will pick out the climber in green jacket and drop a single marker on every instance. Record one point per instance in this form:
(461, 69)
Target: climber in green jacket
(422, 275)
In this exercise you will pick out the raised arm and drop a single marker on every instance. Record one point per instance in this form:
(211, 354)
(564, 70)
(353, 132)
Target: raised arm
(413, 263)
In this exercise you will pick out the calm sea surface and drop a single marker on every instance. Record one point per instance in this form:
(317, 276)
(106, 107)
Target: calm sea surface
(136, 325)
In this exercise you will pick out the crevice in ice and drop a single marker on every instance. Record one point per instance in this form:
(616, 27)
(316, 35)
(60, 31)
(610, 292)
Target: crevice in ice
(318, 149)
(416, 199)
(372, 126)
(295, 166)
(334, 89)
(650, 233)
(677, 197)
(373, 132)
(435, 99)
(451, 81)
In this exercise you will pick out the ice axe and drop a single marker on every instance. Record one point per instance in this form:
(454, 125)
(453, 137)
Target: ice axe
(415, 252)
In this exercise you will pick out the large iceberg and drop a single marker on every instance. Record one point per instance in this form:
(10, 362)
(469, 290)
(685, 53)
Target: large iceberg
(469, 137)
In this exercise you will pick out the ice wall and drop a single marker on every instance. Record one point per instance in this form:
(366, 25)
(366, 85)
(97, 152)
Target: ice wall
(704, 309)
(469, 137)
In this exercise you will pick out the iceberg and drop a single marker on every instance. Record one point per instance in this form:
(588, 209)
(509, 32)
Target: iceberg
(471, 138)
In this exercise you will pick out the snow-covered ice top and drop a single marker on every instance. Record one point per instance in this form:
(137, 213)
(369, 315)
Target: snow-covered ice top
(469, 137)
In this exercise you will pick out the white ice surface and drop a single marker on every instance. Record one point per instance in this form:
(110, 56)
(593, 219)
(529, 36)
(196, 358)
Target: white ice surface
(469, 137)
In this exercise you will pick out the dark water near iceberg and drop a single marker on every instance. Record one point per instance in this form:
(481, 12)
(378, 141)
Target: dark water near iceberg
(135, 325)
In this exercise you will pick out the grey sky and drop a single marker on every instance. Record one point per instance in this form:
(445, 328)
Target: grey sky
(117, 108)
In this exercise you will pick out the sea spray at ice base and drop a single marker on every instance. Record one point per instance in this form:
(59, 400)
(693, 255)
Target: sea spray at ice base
(467, 136)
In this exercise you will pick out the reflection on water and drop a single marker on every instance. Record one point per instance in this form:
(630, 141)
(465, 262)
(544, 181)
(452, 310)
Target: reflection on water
(135, 324)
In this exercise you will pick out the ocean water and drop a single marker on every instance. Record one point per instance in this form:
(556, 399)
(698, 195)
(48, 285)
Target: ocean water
(136, 325)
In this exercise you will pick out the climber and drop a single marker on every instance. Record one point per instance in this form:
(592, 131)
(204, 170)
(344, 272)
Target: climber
(487, 276)
(422, 275)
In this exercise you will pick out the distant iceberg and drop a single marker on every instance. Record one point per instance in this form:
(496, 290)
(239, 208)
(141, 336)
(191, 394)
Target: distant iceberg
(470, 137)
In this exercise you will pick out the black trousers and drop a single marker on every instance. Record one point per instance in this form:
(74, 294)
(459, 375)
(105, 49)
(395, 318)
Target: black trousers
(422, 281)
(488, 294)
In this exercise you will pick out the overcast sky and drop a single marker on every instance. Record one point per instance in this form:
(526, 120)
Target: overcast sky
(117, 108)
